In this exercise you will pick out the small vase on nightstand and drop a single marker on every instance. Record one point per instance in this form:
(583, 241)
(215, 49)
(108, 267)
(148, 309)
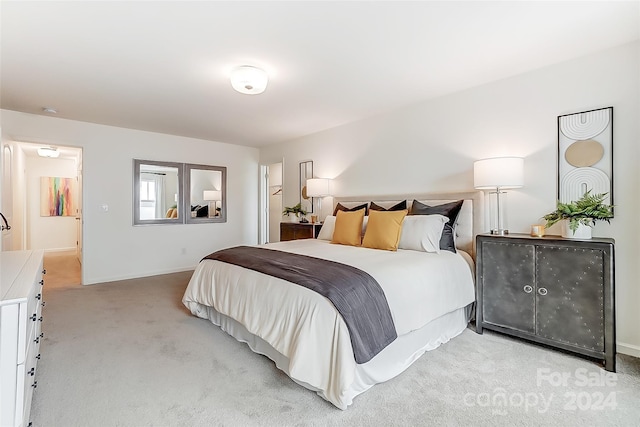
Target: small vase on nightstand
(582, 232)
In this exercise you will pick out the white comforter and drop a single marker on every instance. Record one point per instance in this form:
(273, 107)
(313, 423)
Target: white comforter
(305, 327)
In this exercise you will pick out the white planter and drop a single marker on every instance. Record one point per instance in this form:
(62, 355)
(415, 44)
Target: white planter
(293, 217)
(583, 231)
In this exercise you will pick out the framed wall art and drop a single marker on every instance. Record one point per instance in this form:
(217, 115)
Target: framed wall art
(585, 154)
(57, 196)
(306, 172)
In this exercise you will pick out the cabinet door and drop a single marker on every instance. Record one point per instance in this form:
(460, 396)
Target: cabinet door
(507, 285)
(570, 295)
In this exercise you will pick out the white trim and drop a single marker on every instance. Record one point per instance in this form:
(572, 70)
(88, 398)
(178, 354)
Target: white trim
(138, 275)
(628, 349)
(71, 249)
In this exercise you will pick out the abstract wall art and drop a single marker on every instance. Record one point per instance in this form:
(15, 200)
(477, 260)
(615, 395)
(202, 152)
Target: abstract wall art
(57, 196)
(585, 154)
(306, 172)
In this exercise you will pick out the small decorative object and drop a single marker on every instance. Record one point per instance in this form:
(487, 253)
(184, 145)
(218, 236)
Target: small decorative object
(537, 230)
(585, 160)
(294, 212)
(581, 215)
(314, 219)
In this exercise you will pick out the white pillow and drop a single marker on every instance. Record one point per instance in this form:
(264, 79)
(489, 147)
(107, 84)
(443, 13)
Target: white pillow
(422, 232)
(326, 232)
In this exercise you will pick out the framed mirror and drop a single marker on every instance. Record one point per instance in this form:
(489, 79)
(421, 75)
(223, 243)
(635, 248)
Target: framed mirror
(206, 198)
(157, 188)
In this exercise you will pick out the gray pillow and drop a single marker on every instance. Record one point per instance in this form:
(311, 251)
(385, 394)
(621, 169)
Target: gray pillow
(450, 210)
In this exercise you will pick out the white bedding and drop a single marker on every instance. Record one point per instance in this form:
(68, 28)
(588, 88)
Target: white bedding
(304, 327)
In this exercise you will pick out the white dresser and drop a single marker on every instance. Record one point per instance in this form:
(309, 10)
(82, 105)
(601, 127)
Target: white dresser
(20, 332)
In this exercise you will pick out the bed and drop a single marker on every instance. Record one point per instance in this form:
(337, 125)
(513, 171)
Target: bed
(430, 297)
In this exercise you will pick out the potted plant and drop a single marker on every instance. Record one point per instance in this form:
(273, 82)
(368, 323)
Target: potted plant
(579, 216)
(294, 212)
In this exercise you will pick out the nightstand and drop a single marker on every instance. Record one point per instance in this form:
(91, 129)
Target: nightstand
(299, 230)
(554, 291)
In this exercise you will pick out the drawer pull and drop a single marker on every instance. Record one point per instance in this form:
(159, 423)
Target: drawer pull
(34, 317)
(44, 271)
(38, 356)
(542, 291)
(41, 282)
(40, 318)
(32, 372)
(43, 303)
(527, 289)
(37, 340)
(41, 334)
(35, 384)
(39, 296)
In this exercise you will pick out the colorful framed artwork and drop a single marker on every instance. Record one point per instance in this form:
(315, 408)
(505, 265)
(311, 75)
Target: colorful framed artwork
(57, 196)
(585, 154)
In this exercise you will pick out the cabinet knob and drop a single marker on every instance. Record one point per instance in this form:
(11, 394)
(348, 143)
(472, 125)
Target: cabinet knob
(527, 289)
(37, 340)
(41, 334)
(542, 291)
(43, 303)
(32, 372)
(35, 384)
(41, 282)
(39, 296)
(40, 318)
(38, 356)
(34, 317)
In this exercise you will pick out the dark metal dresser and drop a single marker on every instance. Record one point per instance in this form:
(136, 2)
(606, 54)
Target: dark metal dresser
(554, 291)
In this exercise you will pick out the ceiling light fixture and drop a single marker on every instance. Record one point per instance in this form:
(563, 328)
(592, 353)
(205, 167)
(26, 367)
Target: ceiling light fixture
(50, 152)
(249, 80)
(49, 110)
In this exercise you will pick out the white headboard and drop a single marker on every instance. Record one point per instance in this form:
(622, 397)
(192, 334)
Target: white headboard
(470, 221)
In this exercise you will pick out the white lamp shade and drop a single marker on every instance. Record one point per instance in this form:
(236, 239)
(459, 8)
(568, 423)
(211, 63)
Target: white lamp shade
(318, 187)
(498, 172)
(249, 80)
(212, 195)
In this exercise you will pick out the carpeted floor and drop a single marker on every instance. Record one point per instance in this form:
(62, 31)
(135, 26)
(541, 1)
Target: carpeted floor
(129, 354)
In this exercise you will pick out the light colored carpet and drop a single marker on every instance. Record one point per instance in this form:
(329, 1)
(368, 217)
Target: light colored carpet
(129, 354)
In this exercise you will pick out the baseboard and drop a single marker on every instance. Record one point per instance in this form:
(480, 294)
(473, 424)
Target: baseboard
(628, 349)
(137, 276)
(62, 251)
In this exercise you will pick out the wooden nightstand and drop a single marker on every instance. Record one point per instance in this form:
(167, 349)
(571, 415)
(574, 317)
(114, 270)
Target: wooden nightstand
(299, 230)
(554, 291)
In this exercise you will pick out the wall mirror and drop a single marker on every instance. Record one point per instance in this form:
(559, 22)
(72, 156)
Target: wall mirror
(157, 192)
(206, 198)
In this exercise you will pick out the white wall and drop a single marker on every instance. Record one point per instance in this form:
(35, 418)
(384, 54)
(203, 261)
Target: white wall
(431, 147)
(113, 248)
(48, 232)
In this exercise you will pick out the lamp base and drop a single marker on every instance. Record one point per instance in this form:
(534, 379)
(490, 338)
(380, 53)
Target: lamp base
(499, 232)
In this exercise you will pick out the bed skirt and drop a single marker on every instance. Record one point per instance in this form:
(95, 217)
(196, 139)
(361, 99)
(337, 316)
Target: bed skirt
(390, 362)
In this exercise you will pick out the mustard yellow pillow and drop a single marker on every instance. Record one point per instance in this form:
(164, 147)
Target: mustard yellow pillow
(348, 228)
(384, 230)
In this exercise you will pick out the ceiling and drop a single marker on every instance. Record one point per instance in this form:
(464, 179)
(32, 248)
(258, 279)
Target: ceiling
(164, 66)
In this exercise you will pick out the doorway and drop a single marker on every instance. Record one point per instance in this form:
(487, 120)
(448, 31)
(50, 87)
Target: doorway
(46, 204)
(270, 215)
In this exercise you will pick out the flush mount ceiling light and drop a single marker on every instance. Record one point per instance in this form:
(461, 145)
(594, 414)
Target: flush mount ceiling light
(49, 110)
(249, 80)
(51, 152)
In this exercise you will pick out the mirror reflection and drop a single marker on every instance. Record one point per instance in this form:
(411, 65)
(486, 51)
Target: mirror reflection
(207, 188)
(157, 189)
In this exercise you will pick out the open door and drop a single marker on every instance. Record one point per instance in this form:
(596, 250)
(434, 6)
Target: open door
(6, 203)
(79, 211)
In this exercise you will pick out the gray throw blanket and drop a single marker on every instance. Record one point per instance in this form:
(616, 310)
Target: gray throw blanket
(355, 294)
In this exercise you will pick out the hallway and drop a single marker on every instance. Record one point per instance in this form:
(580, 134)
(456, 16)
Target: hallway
(63, 270)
